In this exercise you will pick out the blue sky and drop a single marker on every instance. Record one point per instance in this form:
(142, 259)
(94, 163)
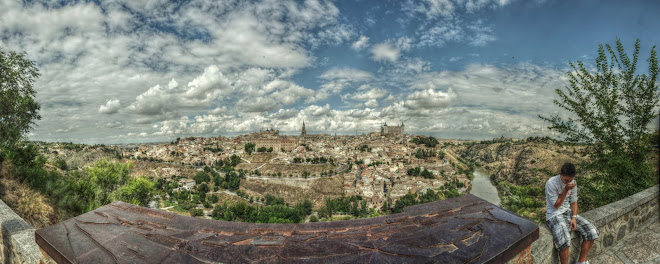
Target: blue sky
(142, 71)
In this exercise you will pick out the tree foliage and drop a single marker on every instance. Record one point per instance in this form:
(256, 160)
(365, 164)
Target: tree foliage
(249, 148)
(429, 142)
(136, 191)
(612, 106)
(18, 109)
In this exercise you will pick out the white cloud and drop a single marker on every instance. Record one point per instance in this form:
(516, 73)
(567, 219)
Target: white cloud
(439, 35)
(158, 100)
(429, 99)
(348, 74)
(385, 52)
(411, 66)
(210, 83)
(371, 103)
(403, 43)
(374, 93)
(482, 34)
(117, 49)
(284, 114)
(316, 110)
(431, 8)
(336, 79)
(362, 42)
(447, 9)
(111, 107)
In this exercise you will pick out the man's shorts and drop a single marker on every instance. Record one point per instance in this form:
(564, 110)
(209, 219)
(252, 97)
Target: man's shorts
(560, 227)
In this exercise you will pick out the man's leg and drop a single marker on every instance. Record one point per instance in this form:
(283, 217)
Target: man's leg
(561, 236)
(589, 234)
(563, 255)
(584, 251)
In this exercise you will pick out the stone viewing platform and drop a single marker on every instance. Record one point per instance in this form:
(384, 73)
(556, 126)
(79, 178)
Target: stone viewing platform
(464, 229)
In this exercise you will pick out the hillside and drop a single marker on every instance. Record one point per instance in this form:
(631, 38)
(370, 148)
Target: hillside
(522, 162)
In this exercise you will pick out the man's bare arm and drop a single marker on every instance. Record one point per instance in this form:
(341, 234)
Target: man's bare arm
(560, 199)
(574, 208)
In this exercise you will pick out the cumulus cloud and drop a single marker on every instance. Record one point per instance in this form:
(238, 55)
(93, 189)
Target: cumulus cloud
(385, 52)
(362, 42)
(157, 100)
(210, 83)
(111, 107)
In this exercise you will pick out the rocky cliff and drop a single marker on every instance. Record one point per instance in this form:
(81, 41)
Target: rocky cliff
(521, 162)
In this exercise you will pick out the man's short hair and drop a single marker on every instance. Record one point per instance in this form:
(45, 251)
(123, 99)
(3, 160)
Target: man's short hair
(568, 169)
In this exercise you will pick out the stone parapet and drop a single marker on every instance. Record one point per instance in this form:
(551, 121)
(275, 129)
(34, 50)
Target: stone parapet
(17, 244)
(614, 221)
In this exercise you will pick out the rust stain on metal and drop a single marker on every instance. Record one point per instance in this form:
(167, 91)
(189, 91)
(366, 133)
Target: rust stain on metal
(458, 230)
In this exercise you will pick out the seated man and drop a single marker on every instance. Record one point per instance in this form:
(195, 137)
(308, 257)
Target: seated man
(561, 218)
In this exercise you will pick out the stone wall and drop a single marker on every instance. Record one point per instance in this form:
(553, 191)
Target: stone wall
(17, 243)
(614, 221)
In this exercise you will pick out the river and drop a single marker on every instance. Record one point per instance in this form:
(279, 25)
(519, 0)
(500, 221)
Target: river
(482, 188)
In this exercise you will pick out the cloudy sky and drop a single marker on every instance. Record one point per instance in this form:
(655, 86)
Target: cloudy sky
(141, 71)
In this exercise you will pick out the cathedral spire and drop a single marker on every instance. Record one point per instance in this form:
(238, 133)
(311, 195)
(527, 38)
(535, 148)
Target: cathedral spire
(304, 132)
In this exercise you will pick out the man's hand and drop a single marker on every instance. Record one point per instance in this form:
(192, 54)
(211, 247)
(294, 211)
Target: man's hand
(573, 224)
(570, 186)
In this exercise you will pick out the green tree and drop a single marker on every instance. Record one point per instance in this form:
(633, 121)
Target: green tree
(137, 191)
(18, 109)
(249, 148)
(612, 106)
(611, 109)
(203, 188)
(201, 177)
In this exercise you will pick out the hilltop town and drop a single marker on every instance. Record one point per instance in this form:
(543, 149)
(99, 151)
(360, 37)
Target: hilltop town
(379, 166)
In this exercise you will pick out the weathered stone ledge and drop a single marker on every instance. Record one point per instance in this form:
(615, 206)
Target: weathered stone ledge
(17, 244)
(614, 221)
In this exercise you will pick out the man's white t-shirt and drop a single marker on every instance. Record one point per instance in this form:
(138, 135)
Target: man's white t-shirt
(553, 188)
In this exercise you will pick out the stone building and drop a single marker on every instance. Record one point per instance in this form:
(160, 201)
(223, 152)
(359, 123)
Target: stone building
(392, 130)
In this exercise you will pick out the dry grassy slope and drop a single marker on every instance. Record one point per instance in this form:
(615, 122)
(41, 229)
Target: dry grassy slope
(521, 163)
(260, 157)
(27, 203)
(318, 191)
(146, 168)
(295, 169)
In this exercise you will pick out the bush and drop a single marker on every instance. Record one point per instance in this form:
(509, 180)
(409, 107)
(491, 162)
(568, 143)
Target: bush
(313, 218)
(137, 191)
(61, 163)
(196, 212)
